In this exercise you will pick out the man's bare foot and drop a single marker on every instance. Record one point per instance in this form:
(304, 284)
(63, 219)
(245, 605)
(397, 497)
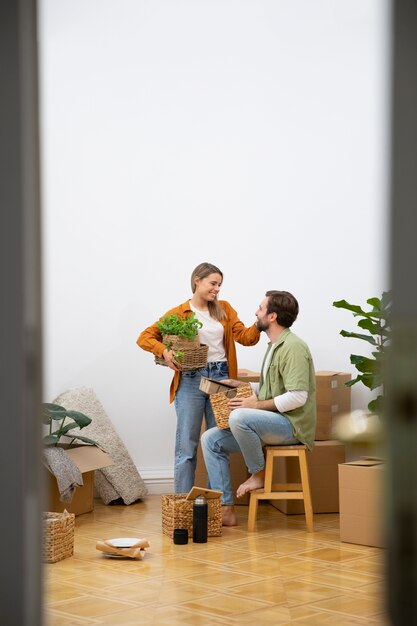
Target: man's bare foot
(256, 481)
(229, 517)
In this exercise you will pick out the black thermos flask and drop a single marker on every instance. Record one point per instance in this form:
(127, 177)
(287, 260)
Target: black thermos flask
(200, 520)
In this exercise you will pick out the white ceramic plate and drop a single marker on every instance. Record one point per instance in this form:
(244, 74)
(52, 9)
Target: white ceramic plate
(110, 555)
(123, 542)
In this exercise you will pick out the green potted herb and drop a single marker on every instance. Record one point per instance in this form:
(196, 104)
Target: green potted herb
(185, 327)
(180, 334)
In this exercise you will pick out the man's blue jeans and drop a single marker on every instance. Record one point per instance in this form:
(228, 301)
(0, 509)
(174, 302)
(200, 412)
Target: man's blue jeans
(249, 430)
(191, 405)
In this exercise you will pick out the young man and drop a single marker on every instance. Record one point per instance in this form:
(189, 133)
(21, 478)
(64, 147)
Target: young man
(282, 409)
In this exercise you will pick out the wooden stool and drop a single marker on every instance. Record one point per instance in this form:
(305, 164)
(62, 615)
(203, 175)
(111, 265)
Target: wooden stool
(283, 491)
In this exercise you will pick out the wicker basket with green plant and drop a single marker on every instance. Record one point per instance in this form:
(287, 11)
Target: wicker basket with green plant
(180, 334)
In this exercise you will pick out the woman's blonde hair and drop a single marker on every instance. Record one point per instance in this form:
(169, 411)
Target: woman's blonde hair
(202, 271)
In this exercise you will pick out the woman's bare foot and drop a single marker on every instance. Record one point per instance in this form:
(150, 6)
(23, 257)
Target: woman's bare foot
(256, 481)
(229, 517)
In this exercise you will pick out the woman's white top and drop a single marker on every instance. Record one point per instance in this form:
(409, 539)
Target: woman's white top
(211, 334)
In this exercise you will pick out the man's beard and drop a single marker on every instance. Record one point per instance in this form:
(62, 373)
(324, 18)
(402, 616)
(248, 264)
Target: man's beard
(262, 326)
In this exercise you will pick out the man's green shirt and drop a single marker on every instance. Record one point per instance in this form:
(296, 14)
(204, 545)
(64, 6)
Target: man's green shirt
(290, 369)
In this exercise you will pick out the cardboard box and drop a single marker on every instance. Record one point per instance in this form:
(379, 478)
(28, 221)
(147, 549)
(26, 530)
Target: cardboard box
(361, 498)
(332, 400)
(247, 376)
(323, 465)
(88, 459)
(238, 471)
(211, 386)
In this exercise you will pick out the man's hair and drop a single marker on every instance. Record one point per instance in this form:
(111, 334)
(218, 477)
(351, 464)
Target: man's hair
(284, 305)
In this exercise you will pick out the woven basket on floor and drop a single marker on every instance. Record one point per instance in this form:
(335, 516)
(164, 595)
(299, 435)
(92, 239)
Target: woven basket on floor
(177, 512)
(219, 404)
(58, 536)
(194, 354)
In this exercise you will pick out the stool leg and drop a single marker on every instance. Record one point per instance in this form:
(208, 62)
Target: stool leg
(269, 466)
(253, 510)
(305, 482)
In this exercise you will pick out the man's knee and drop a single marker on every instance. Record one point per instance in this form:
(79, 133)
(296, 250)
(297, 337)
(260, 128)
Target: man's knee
(208, 439)
(236, 417)
(203, 439)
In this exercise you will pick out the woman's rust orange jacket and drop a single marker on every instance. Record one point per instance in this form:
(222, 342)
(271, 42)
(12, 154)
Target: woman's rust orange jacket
(234, 330)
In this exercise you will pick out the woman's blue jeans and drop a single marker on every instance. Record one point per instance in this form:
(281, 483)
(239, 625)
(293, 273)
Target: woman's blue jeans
(191, 405)
(250, 430)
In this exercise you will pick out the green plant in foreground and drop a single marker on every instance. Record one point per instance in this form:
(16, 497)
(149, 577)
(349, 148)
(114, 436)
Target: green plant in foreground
(52, 413)
(186, 327)
(376, 323)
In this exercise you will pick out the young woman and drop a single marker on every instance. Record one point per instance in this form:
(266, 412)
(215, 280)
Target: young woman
(221, 328)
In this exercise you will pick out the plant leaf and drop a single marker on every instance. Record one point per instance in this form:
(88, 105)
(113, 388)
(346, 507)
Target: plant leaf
(52, 412)
(50, 440)
(81, 419)
(373, 327)
(349, 383)
(378, 315)
(364, 364)
(378, 380)
(342, 304)
(370, 339)
(386, 299)
(85, 439)
(181, 326)
(68, 427)
(375, 302)
(376, 406)
(368, 380)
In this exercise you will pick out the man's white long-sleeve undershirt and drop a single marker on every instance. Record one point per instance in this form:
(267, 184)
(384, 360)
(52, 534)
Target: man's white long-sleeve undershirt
(286, 401)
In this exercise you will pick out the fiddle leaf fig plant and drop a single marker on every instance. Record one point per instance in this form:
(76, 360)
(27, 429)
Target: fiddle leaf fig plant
(376, 324)
(55, 414)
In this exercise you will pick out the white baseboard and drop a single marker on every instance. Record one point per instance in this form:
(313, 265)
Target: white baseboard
(158, 480)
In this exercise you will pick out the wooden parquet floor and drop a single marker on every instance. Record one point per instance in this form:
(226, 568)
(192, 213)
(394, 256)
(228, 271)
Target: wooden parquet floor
(277, 575)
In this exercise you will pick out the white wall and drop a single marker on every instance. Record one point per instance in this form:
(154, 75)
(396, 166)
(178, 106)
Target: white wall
(251, 134)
